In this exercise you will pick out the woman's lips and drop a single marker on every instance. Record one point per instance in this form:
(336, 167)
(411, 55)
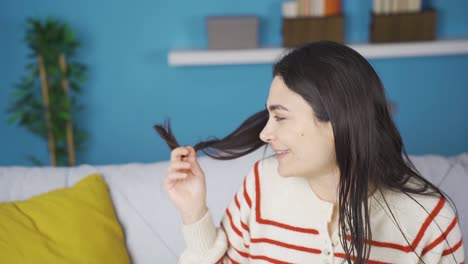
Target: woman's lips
(282, 155)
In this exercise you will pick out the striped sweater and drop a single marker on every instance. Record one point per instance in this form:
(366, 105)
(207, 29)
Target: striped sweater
(275, 219)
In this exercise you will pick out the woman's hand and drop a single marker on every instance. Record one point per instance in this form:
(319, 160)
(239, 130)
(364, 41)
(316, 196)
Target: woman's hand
(186, 185)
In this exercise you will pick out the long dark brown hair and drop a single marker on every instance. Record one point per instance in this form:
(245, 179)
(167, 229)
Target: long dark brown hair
(343, 88)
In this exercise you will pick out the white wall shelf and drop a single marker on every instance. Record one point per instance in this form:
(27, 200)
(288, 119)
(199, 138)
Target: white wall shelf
(270, 55)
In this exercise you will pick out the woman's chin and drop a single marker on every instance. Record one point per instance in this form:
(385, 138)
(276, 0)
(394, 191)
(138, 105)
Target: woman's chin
(283, 172)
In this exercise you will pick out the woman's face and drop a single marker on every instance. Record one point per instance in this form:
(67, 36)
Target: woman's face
(293, 127)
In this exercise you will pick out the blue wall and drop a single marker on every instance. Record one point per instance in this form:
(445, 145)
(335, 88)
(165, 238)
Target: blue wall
(131, 87)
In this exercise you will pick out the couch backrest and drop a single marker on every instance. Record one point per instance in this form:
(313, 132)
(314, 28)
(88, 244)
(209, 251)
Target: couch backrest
(150, 221)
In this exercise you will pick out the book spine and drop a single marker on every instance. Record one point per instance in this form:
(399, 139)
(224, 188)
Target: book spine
(377, 6)
(289, 9)
(319, 7)
(402, 6)
(332, 7)
(300, 7)
(312, 5)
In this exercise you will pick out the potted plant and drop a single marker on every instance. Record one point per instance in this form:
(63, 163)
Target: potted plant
(45, 99)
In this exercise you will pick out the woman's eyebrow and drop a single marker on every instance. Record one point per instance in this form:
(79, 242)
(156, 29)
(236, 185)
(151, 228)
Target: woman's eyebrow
(276, 107)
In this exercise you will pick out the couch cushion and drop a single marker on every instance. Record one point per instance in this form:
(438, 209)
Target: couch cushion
(69, 225)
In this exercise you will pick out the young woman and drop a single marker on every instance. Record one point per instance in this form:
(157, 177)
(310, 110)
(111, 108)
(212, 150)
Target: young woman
(340, 188)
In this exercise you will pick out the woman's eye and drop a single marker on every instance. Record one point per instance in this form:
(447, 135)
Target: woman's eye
(278, 118)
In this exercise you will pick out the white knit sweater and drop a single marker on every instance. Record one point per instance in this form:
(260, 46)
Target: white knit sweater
(275, 219)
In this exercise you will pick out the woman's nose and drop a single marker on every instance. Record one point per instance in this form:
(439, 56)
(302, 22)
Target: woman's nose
(265, 135)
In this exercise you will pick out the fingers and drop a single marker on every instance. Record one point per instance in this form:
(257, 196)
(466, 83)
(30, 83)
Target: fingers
(177, 153)
(178, 165)
(192, 152)
(176, 176)
(192, 159)
(179, 168)
(184, 159)
(172, 178)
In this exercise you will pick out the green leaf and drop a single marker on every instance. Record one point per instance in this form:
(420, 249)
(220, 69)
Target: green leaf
(14, 118)
(81, 78)
(19, 94)
(75, 87)
(65, 115)
(70, 36)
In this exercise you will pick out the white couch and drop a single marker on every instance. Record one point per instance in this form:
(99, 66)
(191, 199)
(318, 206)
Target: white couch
(151, 223)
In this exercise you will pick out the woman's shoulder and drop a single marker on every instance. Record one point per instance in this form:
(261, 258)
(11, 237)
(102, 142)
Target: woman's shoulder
(424, 223)
(422, 215)
(416, 204)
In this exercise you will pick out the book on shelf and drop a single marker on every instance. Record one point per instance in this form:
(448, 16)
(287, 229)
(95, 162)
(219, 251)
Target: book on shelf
(311, 8)
(387, 7)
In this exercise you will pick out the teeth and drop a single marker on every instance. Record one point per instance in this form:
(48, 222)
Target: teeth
(281, 152)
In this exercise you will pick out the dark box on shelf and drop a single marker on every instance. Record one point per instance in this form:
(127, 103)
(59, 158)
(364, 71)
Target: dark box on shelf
(232, 32)
(403, 27)
(301, 30)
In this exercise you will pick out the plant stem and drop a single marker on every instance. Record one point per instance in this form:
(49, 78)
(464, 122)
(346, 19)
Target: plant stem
(69, 126)
(45, 95)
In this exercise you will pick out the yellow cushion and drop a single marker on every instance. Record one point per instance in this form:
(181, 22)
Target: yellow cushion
(69, 225)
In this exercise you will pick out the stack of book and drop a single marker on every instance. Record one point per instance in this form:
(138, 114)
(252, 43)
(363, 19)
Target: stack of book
(314, 8)
(312, 20)
(397, 6)
(402, 21)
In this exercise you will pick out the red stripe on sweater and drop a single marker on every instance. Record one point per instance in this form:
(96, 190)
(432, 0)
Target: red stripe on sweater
(274, 261)
(247, 255)
(441, 237)
(453, 249)
(233, 261)
(258, 213)
(285, 245)
(237, 202)
(266, 240)
(220, 261)
(236, 230)
(269, 241)
(390, 245)
(234, 227)
(246, 227)
(246, 195)
(343, 256)
(428, 221)
(419, 236)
